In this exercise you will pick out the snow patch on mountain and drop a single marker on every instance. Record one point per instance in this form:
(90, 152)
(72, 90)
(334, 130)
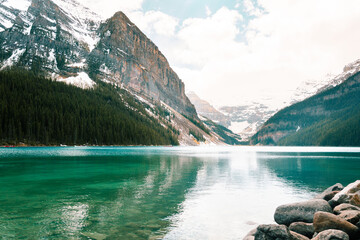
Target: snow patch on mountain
(14, 58)
(238, 127)
(84, 23)
(21, 5)
(81, 64)
(82, 80)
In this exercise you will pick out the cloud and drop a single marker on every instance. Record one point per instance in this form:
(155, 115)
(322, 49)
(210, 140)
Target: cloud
(106, 8)
(155, 22)
(227, 59)
(290, 42)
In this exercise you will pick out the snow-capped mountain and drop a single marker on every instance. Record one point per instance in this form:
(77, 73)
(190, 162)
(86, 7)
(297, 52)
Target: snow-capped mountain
(310, 88)
(66, 41)
(247, 119)
(70, 43)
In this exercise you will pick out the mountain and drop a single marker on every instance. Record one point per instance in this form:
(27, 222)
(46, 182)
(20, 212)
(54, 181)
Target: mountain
(329, 118)
(310, 88)
(247, 118)
(65, 41)
(205, 109)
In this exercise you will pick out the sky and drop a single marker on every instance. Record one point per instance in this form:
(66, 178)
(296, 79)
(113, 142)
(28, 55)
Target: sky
(237, 51)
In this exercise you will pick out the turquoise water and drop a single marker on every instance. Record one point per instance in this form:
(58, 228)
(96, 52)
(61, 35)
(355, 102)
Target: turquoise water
(158, 192)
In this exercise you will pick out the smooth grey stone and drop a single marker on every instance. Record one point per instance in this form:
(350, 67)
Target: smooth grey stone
(300, 212)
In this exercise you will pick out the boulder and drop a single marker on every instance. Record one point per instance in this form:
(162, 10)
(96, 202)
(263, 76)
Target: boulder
(355, 200)
(300, 212)
(344, 195)
(297, 236)
(272, 232)
(306, 229)
(352, 216)
(344, 207)
(330, 192)
(324, 221)
(332, 234)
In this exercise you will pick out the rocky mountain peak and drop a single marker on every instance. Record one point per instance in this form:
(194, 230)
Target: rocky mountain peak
(66, 40)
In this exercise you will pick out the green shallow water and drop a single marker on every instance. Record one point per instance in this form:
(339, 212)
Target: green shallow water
(158, 192)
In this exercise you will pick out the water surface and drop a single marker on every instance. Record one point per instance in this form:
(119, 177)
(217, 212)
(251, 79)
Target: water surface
(159, 192)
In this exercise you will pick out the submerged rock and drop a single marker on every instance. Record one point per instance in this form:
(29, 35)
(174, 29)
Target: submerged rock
(332, 234)
(306, 229)
(324, 221)
(272, 232)
(300, 212)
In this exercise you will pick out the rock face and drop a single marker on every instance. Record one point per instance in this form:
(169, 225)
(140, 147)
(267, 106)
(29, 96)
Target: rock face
(63, 39)
(300, 212)
(124, 55)
(324, 221)
(207, 110)
(332, 235)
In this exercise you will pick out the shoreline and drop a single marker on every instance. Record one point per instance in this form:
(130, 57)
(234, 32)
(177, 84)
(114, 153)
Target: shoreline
(332, 215)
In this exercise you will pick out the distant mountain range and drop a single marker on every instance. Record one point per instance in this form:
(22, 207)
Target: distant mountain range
(246, 119)
(329, 118)
(66, 42)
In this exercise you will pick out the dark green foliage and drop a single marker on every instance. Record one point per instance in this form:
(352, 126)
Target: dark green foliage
(198, 123)
(330, 118)
(228, 136)
(198, 136)
(342, 129)
(35, 110)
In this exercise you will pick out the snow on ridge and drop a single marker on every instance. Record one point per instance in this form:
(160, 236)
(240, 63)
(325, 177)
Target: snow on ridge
(82, 80)
(21, 5)
(81, 18)
(81, 64)
(13, 58)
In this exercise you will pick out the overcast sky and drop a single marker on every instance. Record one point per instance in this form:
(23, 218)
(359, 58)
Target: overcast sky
(233, 51)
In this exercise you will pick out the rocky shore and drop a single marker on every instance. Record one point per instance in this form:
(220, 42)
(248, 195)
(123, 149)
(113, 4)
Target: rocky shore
(332, 215)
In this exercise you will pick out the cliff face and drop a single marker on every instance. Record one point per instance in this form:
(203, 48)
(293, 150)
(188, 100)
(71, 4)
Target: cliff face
(205, 109)
(124, 55)
(67, 41)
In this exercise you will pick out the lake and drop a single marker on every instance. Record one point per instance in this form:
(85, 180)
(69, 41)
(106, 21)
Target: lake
(159, 192)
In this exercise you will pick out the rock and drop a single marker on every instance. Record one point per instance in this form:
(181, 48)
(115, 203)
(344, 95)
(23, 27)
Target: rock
(306, 229)
(250, 235)
(297, 236)
(272, 232)
(345, 207)
(300, 212)
(344, 195)
(324, 221)
(330, 192)
(355, 200)
(352, 216)
(332, 235)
